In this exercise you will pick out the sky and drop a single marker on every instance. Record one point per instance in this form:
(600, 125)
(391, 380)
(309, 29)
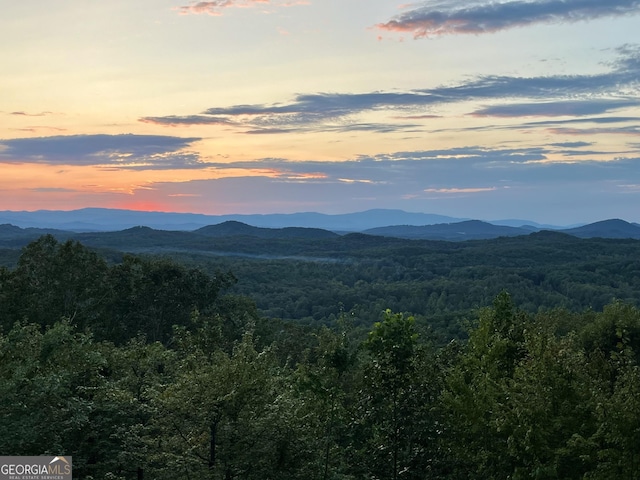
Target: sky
(491, 110)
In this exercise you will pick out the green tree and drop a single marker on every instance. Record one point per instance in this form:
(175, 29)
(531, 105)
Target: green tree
(48, 382)
(138, 373)
(476, 385)
(323, 387)
(53, 281)
(225, 415)
(612, 343)
(150, 295)
(548, 408)
(395, 422)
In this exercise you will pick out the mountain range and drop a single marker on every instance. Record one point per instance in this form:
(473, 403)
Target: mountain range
(91, 223)
(104, 219)
(477, 230)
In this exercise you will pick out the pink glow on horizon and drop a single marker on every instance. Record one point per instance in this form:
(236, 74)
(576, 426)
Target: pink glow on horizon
(144, 206)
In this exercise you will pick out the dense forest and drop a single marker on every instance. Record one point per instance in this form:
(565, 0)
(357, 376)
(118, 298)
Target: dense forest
(440, 283)
(387, 360)
(312, 277)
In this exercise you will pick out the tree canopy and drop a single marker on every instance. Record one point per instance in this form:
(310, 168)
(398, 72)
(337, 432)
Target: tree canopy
(148, 368)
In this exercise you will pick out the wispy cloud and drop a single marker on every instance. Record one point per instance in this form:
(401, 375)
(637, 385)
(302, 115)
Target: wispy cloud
(573, 126)
(460, 190)
(629, 130)
(217, 7)
(437, 17)
(27, 114)
(39, 128)
(572, 144)
(175, 120)
(148, 152)
(557, 109)
(52, 190)
(304, 112)
(553, 95)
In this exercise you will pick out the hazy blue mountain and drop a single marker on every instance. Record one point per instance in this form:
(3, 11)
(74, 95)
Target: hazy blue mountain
(614, 228)
(225, 236)
(383, 222)
(466, 230)
(357, 222)
(103, 219)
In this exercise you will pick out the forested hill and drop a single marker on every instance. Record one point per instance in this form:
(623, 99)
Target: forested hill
(467, 230)
(233, 228)
(614, 228)
(312, 281)
(475, 229)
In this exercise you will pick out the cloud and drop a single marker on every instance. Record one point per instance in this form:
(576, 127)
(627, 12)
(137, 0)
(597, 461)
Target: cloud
(347, 127)
(630, 130)
(436, 18)
(306, 113)
(149, 152)
(217, 7)
(270, 131)
(39, 128)
(572, 144)
(622, 77)
(460, 190)
(334, 112)
(549, 123)
(556, 109)
(584, 120)
(166, 161)
(25, 114)
(467, 181)
(464, 171)
(175, 120)
(329, 105)
(53, 190)
(408, 168)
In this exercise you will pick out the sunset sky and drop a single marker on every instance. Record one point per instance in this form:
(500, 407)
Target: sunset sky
(467, 108)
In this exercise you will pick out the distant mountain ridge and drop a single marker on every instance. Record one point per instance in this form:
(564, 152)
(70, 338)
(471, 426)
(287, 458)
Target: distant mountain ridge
(388, 223)
(239, 235)
(104, 219)
(478, 230)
